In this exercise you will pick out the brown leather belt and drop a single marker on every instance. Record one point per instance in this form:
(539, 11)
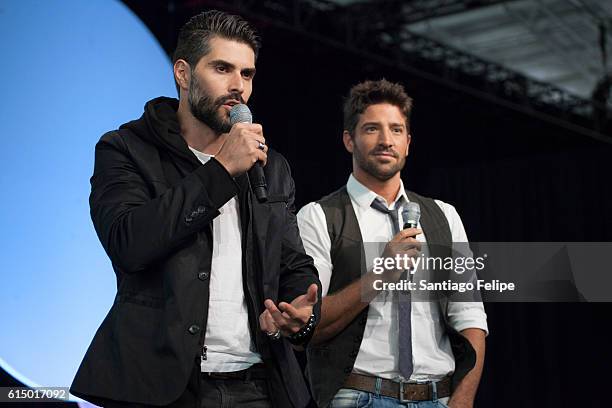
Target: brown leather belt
(402, 391)
(254, 372)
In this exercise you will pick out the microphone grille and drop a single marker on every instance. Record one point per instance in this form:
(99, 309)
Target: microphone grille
(412, 212)
(240, 114)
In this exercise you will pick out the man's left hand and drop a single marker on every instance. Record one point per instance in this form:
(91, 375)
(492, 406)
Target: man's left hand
(289, 318)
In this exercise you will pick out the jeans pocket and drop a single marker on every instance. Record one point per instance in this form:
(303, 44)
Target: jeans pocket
(348, 398)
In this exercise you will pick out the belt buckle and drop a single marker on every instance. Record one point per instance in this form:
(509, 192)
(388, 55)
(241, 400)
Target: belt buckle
(401, 392)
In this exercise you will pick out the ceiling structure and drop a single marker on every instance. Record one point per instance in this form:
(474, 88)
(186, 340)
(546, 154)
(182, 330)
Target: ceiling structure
(560, 48)
(554, 41)
(544, 58)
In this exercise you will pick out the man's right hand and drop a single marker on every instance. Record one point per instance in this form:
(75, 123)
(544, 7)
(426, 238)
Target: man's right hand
(403, 243)
(241, 148)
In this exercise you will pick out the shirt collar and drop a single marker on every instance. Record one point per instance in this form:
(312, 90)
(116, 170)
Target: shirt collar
(363, 196)
(203, 157)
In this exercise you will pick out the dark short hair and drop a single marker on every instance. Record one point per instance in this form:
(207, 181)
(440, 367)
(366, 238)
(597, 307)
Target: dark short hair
(369, 93)
(194, 37)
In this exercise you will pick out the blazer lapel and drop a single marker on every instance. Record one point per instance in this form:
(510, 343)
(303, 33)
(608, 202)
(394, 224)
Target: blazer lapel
(254, 220)
(244, 204)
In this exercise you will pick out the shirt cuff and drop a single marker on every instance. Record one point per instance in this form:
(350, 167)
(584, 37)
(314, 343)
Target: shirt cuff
(471, 324)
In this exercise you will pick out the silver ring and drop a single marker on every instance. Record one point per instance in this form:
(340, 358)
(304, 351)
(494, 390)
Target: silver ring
(274, 336)
(261, 146)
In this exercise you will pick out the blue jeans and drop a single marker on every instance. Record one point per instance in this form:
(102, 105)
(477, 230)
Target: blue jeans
(349, 398)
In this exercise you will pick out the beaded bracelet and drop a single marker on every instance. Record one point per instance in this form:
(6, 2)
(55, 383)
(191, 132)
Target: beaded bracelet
(305, 333)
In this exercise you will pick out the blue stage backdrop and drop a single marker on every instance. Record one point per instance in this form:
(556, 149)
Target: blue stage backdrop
(71, 70)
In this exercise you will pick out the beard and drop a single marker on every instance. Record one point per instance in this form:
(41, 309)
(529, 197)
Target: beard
(207, 110)
(370, 164)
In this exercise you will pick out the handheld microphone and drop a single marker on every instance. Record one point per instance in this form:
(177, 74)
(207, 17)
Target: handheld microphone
(241, 113)
(411, 213)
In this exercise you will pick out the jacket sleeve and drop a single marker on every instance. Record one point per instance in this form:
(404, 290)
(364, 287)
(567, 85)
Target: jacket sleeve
(137, 229)
(297, 268)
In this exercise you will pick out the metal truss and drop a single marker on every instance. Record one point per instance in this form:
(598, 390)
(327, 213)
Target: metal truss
(418, 10)
(378, 31)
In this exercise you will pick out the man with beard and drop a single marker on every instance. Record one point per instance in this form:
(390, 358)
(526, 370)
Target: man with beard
(208, 307)
(369, 348)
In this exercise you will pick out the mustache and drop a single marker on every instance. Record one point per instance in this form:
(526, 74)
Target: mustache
(229, 97)
(378, 150)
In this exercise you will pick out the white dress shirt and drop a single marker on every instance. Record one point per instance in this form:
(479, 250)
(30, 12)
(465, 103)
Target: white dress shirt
(228, 339)
(378, 356)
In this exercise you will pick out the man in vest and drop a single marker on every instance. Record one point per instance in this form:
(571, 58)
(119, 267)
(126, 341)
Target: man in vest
(370, 350)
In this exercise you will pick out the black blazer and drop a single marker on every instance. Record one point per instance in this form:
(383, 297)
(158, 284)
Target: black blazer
(152, 210)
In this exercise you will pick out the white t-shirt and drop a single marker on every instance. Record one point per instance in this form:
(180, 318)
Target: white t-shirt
(228, 339)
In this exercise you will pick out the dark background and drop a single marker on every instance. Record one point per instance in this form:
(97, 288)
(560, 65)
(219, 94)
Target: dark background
(512, 174)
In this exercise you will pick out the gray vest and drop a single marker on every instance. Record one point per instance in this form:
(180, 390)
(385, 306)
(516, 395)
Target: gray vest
(331, 362)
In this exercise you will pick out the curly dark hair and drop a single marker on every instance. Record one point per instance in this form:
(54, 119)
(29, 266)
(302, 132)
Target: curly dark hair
(369, 93)
(194, 37)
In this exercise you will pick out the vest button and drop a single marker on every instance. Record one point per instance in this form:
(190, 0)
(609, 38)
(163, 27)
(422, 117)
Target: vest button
(203, 276)
(194, 329)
